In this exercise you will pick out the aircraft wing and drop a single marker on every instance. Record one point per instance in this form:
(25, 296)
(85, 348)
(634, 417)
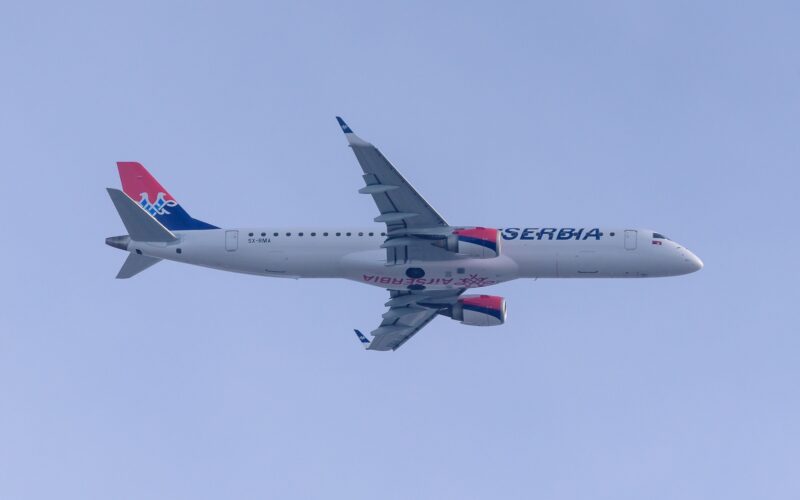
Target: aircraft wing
(411, 223)
(408, 313)
(399, 204)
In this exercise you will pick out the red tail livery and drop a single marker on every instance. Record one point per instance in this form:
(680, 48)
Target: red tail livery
(144, 189)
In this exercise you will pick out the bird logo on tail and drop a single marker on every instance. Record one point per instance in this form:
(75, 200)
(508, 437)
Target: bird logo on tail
(159, 207)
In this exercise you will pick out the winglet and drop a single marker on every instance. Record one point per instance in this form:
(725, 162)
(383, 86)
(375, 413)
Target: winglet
(360, 335)
(352, 138)
(344, 126)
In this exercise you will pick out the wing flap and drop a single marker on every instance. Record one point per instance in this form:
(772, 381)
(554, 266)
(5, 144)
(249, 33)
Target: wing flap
(399, 312)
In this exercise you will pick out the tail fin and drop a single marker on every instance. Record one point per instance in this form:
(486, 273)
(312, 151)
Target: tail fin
(142, 187)
(135, 264)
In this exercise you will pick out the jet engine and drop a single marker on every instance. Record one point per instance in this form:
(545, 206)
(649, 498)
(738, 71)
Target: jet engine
(480, 310)
(476, 242)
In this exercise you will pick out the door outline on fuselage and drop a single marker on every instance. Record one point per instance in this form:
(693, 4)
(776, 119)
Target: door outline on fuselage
(631, 235)
(231, 240)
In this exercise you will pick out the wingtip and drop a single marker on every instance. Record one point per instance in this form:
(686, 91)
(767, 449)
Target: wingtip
(345, 128)
(352, 138)
(362, 338)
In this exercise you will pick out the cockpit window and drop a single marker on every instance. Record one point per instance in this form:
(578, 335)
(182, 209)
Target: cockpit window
(659, 236)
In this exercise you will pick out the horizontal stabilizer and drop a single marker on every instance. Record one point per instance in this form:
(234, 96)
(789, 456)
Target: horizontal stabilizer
(141, 225)
(135, 264)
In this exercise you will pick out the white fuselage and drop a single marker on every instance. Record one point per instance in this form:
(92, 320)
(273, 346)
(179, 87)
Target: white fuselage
(356, 254)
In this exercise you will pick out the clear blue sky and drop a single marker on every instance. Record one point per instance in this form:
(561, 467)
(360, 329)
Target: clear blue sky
(190, 383)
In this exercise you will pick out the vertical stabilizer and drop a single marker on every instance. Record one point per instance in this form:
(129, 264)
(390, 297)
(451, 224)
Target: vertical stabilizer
(145, 190)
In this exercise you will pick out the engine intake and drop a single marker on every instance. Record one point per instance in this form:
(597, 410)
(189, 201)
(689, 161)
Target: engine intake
(477, 242)
(480, 310)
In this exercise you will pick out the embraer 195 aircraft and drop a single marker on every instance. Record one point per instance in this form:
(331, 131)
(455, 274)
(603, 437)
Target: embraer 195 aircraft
(426, 264)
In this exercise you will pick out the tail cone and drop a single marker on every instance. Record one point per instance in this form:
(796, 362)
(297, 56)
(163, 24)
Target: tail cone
(120, 242)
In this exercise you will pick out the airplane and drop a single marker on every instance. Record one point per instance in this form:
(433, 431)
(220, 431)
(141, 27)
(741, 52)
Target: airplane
(426, 265)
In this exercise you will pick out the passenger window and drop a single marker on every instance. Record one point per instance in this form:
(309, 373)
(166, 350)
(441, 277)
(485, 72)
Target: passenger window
(324, 234)
(263, 234)
(338, 234)
(288, 234)
(349, 234)
(313, 234)
(372, 234)
(274, 234)
(361, 234)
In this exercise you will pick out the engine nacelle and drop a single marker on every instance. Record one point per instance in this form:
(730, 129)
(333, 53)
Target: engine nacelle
(476, 242)
(480, 310)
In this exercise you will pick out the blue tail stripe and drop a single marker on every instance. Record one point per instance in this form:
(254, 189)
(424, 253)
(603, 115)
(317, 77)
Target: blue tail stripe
(178, 220)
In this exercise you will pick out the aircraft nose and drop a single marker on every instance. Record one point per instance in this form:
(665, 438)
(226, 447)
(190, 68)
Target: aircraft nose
(696, 262)
(692, 261)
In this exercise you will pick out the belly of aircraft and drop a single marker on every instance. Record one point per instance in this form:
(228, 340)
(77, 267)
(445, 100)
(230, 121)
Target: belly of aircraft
(370, 268)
